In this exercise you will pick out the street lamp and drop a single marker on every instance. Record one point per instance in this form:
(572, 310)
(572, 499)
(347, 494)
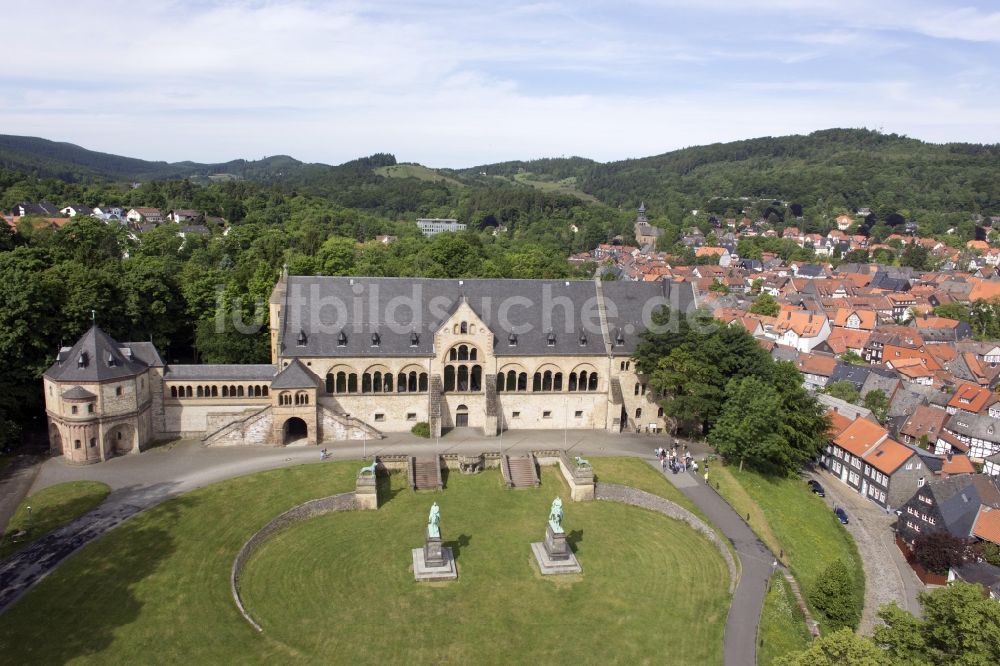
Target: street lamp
(29, 520)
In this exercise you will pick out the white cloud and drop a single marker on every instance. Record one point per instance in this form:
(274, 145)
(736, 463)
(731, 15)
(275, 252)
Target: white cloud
(455, 84)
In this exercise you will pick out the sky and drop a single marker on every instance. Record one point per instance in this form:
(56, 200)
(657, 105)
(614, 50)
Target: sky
(462, 83)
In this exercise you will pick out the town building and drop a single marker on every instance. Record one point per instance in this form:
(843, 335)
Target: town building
(430, 226)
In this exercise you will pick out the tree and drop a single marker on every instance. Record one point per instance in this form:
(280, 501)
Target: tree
(766, 306)
(745, 430)
(915, 256)
(852, 357)
(835, 596)
(961, 625)
(939, 551)
(878, 403)
(840, 648)
(844, 390)
(953, 310)
(988, 551)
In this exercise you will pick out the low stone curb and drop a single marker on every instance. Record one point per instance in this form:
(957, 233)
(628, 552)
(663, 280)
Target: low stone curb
(613, 492)
(304, 511)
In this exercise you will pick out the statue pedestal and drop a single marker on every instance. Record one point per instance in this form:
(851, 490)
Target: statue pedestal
(554, 555)
(555, 544)
(366, 493)
(434, 561)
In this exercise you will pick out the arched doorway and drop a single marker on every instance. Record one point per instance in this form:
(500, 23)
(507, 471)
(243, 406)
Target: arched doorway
(55, 440)
(120, 439)
(462, 417)
(294, 430)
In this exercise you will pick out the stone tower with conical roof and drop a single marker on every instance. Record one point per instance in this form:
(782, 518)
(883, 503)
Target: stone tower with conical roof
(99, 395)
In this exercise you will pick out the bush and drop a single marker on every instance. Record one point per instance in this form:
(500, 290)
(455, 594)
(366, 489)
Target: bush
(834, 596)
(939, 551)
(421, 429)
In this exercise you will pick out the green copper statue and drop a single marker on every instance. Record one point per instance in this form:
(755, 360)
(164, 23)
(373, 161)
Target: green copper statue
(434, 522)
(556, 516)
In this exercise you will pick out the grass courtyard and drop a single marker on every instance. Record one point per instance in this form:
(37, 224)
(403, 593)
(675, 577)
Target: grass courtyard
(51, 508)
(337, 589)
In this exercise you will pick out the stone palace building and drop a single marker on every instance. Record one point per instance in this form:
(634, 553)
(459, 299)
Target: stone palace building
(356, 357)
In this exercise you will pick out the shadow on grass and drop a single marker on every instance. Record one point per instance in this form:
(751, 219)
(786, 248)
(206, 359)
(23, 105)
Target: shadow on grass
(457, 545)
(574, 538)
(444, 478)
(44, 626)
(386, 489)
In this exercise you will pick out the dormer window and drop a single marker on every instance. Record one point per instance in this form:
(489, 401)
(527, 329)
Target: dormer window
(342, 339)
(583, 339)
(551, 339)
(376, 340)
(414, 339)
(302, 338)
(512, 339)
(111, 361)
(619, 337)
(82, 361)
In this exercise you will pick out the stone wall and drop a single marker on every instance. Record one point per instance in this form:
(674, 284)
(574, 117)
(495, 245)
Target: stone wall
(614, 492)
(254, 428)
(310, 509)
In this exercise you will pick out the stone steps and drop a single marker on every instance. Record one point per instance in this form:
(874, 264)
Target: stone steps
(521, 472)
(426, 474)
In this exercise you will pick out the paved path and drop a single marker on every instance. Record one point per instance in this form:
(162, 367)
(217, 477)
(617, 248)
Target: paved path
(758, 563)
(887, 575)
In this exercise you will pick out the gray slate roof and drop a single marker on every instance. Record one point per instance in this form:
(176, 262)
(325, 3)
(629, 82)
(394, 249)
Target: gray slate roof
(95, 357)
(193, 372)
(295, 376)
(78, 393)
(958, 498)
(317, 309)
(846, 372)
(979, 426)
(145, 352)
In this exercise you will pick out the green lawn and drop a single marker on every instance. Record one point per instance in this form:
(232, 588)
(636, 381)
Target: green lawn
(51, 508)
(156, 589)
(795, 520)
(640, 474)
(782, 628)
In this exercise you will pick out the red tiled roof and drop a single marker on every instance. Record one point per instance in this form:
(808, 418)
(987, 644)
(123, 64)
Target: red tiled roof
(888, 457)
(987, 525)
(861, 436)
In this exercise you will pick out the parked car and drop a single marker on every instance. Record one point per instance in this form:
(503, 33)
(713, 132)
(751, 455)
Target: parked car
(842, 515)
(817, 487)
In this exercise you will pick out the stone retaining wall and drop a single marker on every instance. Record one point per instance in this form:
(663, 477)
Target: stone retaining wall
(310, 509)
(614, 492)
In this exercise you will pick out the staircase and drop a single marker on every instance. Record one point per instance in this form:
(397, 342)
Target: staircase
(520, 472)
(616, 391)
(434, 410)
(425, 473)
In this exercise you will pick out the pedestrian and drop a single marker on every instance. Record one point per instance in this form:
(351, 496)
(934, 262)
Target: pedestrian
(694, 466)
(663, 464)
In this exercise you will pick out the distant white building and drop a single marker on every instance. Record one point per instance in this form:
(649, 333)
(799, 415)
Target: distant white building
(435, 225)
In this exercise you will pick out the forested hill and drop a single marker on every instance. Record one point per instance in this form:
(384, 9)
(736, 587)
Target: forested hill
(69, 162)
(826, 171)
(832, 169)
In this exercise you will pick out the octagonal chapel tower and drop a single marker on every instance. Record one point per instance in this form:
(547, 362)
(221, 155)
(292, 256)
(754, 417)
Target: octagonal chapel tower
(99, 397)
